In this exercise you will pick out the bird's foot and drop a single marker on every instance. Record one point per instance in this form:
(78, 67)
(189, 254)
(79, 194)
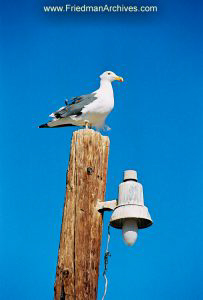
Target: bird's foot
(106, 128)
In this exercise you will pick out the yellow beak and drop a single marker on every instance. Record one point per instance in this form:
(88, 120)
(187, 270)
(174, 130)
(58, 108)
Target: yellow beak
(119, 78)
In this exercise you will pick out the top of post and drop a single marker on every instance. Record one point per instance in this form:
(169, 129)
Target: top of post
(130, 175)
(89, 132)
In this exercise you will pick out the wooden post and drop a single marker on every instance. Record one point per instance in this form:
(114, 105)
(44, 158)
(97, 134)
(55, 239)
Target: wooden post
(79, 252)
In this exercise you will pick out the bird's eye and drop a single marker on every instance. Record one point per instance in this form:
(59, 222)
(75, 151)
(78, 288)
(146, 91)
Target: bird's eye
(109, 73)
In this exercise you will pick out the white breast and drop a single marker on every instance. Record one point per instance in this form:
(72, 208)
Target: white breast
(97, 111)
(104, 102)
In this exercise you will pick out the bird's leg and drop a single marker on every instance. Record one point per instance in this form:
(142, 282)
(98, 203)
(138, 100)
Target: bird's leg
(86, 124)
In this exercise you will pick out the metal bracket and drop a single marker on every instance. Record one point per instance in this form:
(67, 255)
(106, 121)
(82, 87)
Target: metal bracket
(106, 206)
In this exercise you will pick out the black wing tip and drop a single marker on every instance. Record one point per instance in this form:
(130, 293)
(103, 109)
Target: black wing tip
(57, 126)
(43, 126)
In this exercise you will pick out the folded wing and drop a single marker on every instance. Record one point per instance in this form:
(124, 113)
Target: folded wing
(75, 106)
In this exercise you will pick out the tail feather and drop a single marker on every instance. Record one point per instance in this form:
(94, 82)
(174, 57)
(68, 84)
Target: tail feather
(46, 125)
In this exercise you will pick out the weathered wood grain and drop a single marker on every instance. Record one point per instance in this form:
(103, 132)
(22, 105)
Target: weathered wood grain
(81, 231)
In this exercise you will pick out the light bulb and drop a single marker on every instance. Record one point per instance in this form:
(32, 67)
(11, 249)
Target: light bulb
(130, 231)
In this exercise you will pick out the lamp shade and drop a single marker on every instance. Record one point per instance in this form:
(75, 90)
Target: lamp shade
(130, 203)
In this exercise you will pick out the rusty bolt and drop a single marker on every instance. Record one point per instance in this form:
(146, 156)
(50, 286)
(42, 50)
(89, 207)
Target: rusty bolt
(90, 170)
(66, 273)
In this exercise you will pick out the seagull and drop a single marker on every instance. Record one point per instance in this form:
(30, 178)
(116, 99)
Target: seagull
(87, 110)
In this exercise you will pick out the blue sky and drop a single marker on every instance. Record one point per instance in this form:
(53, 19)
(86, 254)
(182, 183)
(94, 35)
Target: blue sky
(156, 130)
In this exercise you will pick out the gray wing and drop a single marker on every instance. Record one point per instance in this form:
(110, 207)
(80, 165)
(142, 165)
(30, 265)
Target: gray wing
(75, 106)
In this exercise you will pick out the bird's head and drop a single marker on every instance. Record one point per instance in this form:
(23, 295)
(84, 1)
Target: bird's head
(110, 76)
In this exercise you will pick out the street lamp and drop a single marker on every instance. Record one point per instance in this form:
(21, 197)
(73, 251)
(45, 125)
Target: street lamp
(129, 211)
